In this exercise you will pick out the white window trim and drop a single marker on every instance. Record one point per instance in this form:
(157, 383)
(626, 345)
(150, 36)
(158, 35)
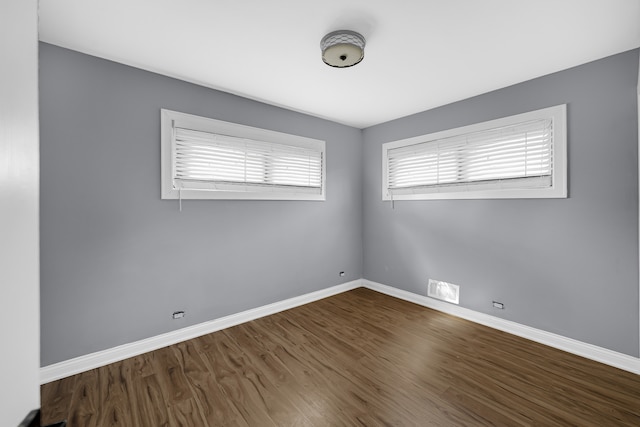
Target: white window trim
(167, 120)
(559, 173)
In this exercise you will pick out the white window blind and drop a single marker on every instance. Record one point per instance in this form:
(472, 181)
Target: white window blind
(522, 152)
(221, 162)
(484, 160)
(210, 159)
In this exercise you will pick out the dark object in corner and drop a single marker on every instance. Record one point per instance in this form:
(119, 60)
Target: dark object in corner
(33, 420)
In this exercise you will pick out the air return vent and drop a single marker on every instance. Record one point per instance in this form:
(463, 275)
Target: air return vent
(443, 291)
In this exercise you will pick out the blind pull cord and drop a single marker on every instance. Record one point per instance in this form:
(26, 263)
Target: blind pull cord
(180, 198)
(393, 202)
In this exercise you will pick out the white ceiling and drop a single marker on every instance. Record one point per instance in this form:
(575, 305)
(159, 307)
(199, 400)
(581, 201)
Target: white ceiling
(420, 54)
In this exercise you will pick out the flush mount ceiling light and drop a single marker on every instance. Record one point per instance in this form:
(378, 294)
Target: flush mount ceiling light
(342, 48)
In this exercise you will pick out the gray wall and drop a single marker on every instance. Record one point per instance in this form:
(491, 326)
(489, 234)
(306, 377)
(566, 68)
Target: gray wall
(567, 266)
(117, 260)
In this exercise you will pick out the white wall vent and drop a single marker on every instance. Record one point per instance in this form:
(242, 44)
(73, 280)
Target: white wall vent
(444, 291)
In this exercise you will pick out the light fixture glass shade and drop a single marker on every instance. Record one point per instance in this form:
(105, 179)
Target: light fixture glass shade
(342, 48)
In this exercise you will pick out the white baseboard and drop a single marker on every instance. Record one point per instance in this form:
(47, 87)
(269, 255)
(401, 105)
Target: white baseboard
(101, 358)
(599, 354)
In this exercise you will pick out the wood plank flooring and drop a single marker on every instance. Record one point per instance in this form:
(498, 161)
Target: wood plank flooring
(356, 359)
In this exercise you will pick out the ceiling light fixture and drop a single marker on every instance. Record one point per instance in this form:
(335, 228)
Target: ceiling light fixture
(342, 48)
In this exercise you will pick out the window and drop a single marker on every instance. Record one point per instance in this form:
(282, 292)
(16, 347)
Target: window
(210, 159)
(522, 156)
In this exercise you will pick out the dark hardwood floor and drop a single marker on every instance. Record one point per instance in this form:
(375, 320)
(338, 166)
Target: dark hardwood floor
(356, 359)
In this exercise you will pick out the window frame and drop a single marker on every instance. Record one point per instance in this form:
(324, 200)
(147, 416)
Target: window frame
(558, 188)
(170, 119)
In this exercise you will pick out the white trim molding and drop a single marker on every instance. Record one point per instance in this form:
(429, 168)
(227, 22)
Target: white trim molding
(19, 210)
(101, 358)
(638, 111)
(599, 354)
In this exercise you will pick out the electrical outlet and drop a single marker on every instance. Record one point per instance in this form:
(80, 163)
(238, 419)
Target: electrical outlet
(499, 305)
(178, 314)
(342, 274)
